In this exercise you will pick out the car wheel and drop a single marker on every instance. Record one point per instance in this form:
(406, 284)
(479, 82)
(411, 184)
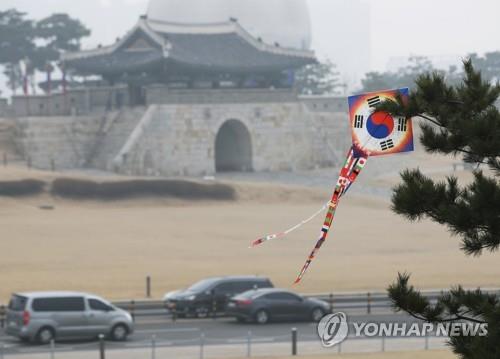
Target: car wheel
(317, 314)
(45, 335)
(202, 312)
(262, 317)
(119, 333)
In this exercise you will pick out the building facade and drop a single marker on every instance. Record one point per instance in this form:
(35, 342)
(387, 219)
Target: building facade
(183, 99)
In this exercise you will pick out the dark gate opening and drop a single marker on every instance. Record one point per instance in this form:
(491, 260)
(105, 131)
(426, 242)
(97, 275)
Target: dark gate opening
(233, 148)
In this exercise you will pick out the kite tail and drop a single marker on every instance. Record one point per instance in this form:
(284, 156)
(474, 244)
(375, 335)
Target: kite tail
(267, 238)
(319, 243)
(289, 230)
(347, 177)
(347, 167)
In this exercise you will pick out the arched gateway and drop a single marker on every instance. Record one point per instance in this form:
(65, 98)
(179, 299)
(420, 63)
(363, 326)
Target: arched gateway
(233, 148)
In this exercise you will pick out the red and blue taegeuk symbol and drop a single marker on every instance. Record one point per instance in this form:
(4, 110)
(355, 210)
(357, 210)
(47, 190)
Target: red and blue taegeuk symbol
(380, 125)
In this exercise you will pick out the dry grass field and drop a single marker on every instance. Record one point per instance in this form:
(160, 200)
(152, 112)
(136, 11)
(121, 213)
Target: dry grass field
(110, 247)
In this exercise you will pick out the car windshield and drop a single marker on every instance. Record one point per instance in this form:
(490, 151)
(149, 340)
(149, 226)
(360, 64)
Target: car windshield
(202, 285)
(250, 294)
(17, 303)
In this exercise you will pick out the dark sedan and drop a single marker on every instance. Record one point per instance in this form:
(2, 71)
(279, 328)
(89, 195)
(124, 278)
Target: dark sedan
(265, 305)
(212, 294)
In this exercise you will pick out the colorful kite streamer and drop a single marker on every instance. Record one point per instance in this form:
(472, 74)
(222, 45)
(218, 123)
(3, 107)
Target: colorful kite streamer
(348, 175)
(374, 133)
(281, 235)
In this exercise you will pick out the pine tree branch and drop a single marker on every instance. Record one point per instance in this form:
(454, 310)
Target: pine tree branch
(468, 319)
(442, 320)
(414, 315)
(461, 119)
(427, 118)
(470, 212)
(492, 161)
(446, 310)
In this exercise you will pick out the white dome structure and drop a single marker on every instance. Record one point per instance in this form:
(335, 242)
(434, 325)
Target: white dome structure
(286, 22)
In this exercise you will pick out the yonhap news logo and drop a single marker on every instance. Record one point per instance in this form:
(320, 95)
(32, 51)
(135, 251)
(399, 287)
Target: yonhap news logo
(334, 328)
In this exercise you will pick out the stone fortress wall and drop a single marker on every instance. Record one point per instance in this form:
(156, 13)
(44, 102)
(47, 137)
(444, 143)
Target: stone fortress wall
(183, 132)
(180, 139)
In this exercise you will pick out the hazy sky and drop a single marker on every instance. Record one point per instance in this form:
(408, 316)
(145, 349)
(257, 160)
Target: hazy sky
(397, 27)
(422, 27)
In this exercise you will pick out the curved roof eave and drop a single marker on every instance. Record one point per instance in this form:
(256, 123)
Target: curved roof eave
(107, 50)
(152, 28)
(231, 26)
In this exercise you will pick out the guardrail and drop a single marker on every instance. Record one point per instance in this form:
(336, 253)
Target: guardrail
(363, 302)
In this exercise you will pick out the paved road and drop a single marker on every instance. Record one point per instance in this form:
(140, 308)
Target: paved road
(189, 332)
(153, 320)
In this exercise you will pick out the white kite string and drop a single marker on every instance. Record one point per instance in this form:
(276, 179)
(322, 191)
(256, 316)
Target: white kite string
(305, 221)
(297, 226)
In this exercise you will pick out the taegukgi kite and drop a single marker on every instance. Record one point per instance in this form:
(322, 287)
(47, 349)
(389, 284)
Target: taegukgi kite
(374, 133)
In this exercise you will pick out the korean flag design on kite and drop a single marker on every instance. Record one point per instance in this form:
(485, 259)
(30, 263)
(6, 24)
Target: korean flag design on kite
(379, 133)
(373, 134)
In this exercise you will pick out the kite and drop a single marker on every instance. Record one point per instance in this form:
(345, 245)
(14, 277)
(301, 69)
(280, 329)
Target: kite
(379, 133)
(374, 133)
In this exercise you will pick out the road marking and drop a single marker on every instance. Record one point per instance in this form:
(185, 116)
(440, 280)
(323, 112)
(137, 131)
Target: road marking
(38, 351)
(143, 345)
(179, 330)
(236, 341)
(256, 340)
(263, 340)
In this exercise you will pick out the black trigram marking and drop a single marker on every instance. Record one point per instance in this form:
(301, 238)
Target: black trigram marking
(374, 101)
(387, 145)
(359, 121)
(402, 124)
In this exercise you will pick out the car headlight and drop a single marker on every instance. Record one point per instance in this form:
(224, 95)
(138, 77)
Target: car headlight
(191, 297)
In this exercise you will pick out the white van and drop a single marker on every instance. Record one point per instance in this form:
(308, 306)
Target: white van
(46, 316)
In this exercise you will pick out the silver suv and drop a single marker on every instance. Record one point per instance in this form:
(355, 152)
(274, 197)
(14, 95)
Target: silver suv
(44, 316)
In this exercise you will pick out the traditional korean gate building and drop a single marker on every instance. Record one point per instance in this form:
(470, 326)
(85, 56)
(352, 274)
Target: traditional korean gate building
(179, 98)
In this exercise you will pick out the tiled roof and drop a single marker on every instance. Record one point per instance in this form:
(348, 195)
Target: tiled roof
(210, 47)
